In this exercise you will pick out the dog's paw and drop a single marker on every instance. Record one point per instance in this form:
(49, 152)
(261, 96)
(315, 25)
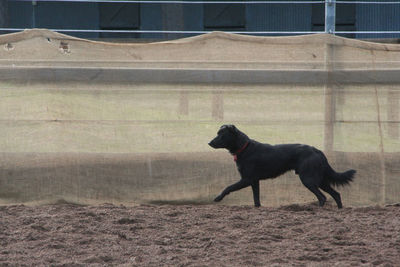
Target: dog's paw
(218, 198)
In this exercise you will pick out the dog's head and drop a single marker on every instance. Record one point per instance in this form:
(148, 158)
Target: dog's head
(227, 137)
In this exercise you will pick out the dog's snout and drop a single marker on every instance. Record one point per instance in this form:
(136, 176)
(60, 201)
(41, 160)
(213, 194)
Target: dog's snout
(211, 144)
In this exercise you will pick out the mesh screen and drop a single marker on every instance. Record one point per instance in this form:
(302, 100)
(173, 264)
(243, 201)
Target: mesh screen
(90, 122)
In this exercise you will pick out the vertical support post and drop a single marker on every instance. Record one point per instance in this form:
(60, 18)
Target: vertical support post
(183, 103)
(380, 130)
(217, 111)
(393, 113)
(330, 98)
(172, 19)
(34, 4)
(330, 16)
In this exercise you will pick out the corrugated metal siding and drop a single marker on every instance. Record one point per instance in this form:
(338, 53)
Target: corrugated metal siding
(275, 17)
(260, 17)
(377, 18)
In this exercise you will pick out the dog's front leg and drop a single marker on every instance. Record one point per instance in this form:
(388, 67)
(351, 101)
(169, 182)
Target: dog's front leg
(237, 186)
(256, 193)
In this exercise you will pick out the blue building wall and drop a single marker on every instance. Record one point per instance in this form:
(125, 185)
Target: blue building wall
(61, 15)
(266, 17)
(378, 18)
(276, 17)
(20, 15)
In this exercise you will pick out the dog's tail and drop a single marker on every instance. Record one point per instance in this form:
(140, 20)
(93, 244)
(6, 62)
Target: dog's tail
(339, 178)
(336, 178)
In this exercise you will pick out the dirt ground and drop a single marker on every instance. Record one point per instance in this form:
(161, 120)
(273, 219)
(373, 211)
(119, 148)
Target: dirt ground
(207, 235)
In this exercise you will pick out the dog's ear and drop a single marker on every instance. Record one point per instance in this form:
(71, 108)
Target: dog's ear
(223, 127)
(232, 128)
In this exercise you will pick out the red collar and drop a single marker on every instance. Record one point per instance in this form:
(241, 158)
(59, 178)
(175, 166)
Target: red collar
(240, 151)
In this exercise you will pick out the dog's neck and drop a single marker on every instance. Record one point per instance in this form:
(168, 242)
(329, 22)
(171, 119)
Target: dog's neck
(235, 155)
(241, 144)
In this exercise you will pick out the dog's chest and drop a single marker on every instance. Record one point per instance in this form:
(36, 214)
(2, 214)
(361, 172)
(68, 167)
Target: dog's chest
(246, 170)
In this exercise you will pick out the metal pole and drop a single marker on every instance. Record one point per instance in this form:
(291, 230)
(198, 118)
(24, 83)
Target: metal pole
(34, 4)
(330, 94)
(330, 13)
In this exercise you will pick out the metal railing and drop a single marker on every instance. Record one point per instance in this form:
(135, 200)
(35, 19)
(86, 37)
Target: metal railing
(330, 16)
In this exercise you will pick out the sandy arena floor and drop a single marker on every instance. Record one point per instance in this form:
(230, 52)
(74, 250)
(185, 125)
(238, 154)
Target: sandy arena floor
(209, 235)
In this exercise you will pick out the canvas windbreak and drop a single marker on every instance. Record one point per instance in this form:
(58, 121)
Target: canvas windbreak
(92, 122)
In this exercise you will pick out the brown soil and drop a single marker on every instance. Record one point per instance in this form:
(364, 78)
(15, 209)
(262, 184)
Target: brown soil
(209, 235)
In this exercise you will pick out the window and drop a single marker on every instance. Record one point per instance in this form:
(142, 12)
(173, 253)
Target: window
(224, 17)
(119, 16)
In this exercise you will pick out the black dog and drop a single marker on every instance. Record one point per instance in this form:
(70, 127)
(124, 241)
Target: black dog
(256, 161)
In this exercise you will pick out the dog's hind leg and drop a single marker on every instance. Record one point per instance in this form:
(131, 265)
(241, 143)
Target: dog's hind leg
(320, 196)
(256, 193)
(308, 182)
(335, 195)
(236, 186)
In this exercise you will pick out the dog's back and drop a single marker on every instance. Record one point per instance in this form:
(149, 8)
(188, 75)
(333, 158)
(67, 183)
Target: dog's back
(270, 161)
